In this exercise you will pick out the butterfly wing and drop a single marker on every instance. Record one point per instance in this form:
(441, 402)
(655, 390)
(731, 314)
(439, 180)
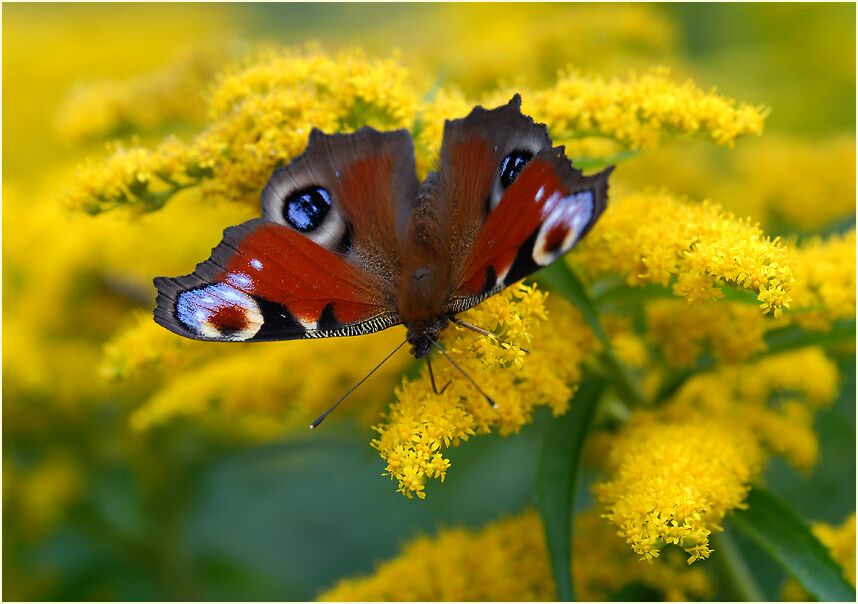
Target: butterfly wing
(319, 263)
(529, 205)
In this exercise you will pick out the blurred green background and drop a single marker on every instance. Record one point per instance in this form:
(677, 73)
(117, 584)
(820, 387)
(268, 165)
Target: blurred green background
(182, 514)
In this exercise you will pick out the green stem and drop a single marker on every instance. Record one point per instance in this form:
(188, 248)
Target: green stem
(735, 570)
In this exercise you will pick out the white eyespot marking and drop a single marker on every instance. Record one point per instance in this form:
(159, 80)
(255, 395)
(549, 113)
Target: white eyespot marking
(240, 281)
(564, 220)
(219, 312)
(255, 263)
(539, 194)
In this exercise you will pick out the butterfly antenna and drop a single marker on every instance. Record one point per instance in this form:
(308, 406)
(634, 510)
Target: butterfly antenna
(491, 402)
(482, 331)
(322, 417)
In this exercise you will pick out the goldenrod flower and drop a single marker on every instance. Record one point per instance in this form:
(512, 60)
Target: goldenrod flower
(420, 424)
(657, 238)
(169, 95)
(40, 496)
(744, 394)
(259, 117)
(732, 332)
(507, 561)
(642, 110)
(263, 391)
(673, 482)
(823, 170)
(825, 280)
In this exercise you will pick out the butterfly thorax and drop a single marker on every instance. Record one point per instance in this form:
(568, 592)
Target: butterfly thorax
(423, 293)
(424, 281)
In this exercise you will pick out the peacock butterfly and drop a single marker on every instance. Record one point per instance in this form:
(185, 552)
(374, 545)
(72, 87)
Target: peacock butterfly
(350, 242)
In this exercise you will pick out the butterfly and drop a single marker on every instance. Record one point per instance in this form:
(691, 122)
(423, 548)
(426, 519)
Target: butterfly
(350, 242)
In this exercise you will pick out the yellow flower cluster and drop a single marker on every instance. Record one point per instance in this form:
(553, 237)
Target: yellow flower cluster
(257, 391)
(773, 397)
(840, 541)
(697, 247)
(420, 424)
(825, 280)
(731, 332)
(507, 561)
(39, 496)
(750, 180)
(167, 96)
(820, 187)
(671, 482)
(260, 116)
(642, 110)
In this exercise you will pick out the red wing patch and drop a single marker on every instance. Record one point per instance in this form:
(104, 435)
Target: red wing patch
(268, 282)
(542, 214)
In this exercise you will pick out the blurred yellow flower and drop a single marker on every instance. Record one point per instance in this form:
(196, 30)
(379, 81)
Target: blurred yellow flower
(172, 95)
(507, 561)
(770, 179)
(732, 332)
(773, 397)
(825, 280)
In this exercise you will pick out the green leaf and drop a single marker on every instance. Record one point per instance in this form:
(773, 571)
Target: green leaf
(556, 481)
(793, 336)
(558, 277)
(779, 530)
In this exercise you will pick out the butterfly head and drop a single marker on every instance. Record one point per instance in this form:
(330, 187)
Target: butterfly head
(422, 335)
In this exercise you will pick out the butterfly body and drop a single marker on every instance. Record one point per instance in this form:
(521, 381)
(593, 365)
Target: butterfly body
(350, 242)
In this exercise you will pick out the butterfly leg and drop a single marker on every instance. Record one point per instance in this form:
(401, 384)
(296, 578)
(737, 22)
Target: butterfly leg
(432, 378)
(482, 331)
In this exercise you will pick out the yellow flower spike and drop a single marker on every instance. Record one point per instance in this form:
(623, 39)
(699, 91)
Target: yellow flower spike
(712, 248)
(685, 473)
(825, 281)
(517, 381)
(507, 560)
(259, 117)
(642, 110)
